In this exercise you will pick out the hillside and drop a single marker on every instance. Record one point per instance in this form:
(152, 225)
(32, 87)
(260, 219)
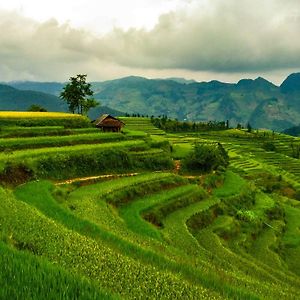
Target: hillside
(295, 131)
(87, 214)
(258, 101)
(20, 100)
(53, 88)
(24, 94)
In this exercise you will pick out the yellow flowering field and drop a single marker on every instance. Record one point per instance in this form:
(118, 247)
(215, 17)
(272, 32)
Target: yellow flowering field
(30, 114)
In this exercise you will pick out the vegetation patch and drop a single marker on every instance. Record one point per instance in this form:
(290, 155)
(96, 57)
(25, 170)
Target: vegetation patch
(29, 119)
(205, 158)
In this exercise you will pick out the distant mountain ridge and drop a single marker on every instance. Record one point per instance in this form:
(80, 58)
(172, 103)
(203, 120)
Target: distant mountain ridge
(15, 99)
(20, 100)
(257, 101)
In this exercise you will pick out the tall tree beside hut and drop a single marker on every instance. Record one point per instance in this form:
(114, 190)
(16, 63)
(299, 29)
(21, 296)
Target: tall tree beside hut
(78, 95)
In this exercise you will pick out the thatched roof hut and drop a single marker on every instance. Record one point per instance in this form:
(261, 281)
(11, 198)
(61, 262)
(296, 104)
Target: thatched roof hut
(109, 123)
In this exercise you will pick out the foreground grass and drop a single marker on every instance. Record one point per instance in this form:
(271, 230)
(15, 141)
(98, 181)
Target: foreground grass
(76, 253)
(25, 276)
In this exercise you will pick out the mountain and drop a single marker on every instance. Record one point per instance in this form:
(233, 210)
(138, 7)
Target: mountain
(257, 101)
(291, 84)
(182, 80)
(294, 131)
(53, 88)
(20, 100)
(94, 113)
(14, 99)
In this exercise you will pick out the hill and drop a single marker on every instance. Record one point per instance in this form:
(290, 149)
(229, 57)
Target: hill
(87, 214)
(53, 88)
(14, 99)
(258, 101)
(295, 131)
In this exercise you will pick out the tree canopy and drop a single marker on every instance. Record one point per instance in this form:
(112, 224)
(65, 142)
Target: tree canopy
(78, 95)
(206, 157)
(36, 107)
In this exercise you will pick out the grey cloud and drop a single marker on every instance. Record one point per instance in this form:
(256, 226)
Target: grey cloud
(226, 36)
(37, 51)
(230, 36)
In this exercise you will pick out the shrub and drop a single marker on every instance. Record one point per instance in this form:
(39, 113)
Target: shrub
(15, 174)
(268, 146)
(206, 157)
(36, 107)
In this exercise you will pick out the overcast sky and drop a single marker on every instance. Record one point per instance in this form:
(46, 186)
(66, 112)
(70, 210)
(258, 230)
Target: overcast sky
(51, 40)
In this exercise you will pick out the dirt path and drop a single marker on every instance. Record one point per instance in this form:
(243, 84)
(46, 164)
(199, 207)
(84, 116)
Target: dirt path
(177, 166)
(82, 179)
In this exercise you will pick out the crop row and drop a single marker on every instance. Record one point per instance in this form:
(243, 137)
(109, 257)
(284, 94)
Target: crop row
(35, 153)
(24, 276)
(88, 229)
(92, 208)
(15, 132)
(76, 253)
(132, 212)
(29, 119)
(58, 141)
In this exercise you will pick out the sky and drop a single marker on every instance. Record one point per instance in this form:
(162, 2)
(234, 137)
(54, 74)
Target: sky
(205, 40)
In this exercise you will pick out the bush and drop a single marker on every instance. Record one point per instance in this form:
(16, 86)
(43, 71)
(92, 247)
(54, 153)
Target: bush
(268, 146)
(69, 165)
(15, 174)
(206, 158)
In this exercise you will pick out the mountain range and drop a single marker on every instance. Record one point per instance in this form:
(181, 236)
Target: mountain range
(259, 102)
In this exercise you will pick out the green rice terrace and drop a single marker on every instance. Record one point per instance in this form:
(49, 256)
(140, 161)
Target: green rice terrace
(86, 214)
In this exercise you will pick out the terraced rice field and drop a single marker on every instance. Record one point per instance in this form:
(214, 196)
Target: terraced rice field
(152, 235)
(141, 124)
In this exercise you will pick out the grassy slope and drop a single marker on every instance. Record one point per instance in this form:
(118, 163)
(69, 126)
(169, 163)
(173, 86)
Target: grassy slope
(96, 235)
(31, 277)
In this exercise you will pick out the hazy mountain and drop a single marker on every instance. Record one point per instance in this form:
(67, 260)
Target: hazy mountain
(258, 101)
(182, 80)
(53, 88)
(295, 131)
(14, 99)
(291, 84)
(20, 100)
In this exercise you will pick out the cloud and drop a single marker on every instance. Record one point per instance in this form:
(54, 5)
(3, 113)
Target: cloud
(226, 36)
(223, 36)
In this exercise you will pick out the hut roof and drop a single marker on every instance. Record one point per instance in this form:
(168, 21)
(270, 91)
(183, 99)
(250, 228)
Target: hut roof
(108, 120)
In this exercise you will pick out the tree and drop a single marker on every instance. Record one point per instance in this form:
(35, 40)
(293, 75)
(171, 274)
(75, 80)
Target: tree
(36, 107)
(78, 95)
(206, 157)
(249, 127)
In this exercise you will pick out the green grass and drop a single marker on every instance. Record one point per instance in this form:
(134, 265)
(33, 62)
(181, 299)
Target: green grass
(25, 276)
(175, 228)
(153, 235)
(90, 202)
(77, 253)
(132, 213)
(141, 124)
(57, 141)
(181, 150)
(32, 155)
(29, 153)
(233, 184)
(291, 238)
(161, 263)
(15, 131)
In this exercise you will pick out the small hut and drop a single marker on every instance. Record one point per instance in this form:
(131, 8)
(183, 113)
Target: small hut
(109, 124)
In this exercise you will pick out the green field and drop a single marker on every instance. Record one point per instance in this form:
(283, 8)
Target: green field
(92, 215)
